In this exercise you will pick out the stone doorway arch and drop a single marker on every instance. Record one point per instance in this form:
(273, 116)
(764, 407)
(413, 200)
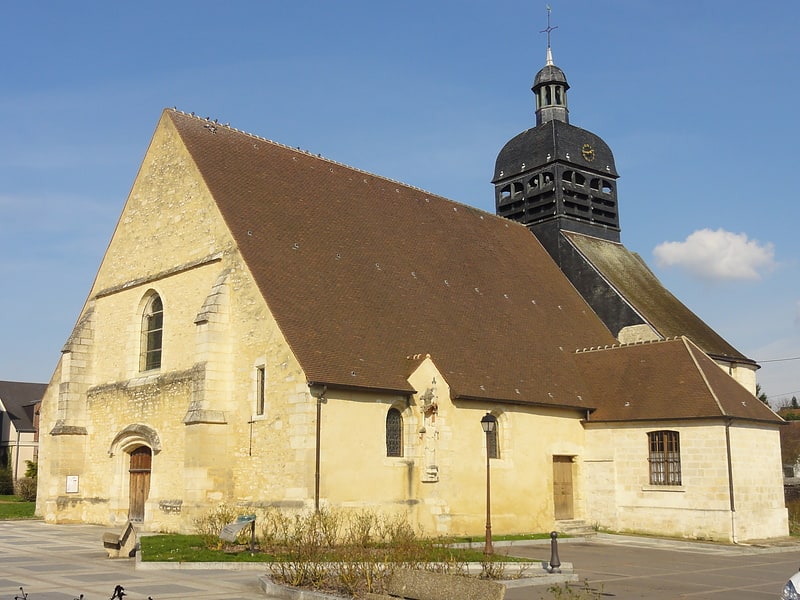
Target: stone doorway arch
(136, 444)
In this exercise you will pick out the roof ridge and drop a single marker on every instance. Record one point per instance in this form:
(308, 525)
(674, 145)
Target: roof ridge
(628, 344)
(588, 235)
(215, 123)
(689, 348)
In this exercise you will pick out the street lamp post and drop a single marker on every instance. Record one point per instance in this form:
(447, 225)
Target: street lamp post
(488, 423)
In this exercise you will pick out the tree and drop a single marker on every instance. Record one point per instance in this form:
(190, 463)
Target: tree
(761, 395)
(790, 443)
(794, 402)
(6, 474)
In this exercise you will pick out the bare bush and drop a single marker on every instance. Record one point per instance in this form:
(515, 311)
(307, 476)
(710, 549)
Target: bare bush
(25, 488)
(209, 525)
(351, 552)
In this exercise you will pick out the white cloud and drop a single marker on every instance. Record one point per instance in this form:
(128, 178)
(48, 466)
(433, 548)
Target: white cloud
(719, 255)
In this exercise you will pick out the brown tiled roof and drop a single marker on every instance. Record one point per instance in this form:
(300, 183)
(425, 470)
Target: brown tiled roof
(19, 399)
(631, 277)
(362, 272)
(665, 380)
(364, 275)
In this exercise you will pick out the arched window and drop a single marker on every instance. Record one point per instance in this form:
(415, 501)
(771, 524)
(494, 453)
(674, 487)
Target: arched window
(394, 433)
(152, 330)
(665, 457)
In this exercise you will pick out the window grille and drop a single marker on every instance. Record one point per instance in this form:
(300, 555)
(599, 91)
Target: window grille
(152, 334)
(665, 458)
(394, 433)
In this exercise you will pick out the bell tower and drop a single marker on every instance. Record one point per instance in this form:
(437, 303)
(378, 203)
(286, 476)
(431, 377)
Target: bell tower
(554, 176)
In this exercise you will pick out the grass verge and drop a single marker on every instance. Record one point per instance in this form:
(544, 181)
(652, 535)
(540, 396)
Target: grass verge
(191, 548)
(12, 507)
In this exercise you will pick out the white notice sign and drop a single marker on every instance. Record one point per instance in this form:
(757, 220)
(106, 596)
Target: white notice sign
(72, 484)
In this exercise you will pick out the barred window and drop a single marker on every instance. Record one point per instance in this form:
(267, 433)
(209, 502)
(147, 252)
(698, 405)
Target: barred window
(665, 458)
(394, 433)
(152, 331)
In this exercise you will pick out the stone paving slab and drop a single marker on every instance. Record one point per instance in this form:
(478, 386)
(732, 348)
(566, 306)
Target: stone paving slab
(60, 562)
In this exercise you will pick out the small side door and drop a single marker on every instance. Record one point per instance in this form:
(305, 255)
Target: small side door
(141, 461)
(562, 488)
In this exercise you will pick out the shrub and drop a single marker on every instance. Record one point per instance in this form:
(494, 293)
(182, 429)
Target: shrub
(345, 551)
(25, 488)
(6, 481)
(209, 526)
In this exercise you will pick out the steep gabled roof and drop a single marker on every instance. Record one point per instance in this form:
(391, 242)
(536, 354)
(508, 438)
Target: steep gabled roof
(666, 380)
(18, 398)
(364, 275)
(637, 284)
(361, 272)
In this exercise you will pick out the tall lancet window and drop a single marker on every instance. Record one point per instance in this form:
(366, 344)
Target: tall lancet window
(152, 331)
(394, 433)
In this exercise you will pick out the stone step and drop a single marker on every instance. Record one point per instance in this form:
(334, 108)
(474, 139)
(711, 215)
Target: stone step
(575, 528)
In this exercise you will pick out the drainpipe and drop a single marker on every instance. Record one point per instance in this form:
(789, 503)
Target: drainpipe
(730, 480)
(317, 392)
(16, 459)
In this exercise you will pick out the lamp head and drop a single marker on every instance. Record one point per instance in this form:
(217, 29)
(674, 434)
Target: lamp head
(488, 423)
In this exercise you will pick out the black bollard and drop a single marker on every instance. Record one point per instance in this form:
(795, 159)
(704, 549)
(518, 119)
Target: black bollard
(253, 536)
(555, 562)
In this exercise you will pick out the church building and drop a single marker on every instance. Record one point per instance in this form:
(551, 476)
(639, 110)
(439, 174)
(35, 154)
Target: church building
(270, 328)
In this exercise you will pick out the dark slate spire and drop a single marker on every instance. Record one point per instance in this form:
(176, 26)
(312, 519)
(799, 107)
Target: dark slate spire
(550, 87)
(557, 177)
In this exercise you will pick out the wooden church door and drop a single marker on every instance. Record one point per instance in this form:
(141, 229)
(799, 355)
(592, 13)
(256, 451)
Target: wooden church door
(562, 487)
(141, 460)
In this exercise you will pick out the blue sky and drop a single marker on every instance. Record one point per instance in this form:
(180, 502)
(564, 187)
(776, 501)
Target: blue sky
(696, 99)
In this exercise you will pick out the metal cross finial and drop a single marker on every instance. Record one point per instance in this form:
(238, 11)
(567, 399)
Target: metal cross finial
(549, 27)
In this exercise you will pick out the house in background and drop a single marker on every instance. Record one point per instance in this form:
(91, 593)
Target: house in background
(790, 441)
(19, 414)
(270, 328)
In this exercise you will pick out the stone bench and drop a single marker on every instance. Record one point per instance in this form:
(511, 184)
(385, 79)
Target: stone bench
(425, 585)
(122, 544)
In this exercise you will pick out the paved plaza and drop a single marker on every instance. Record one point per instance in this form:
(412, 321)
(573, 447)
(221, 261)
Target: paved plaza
(61, 562)
(624, 567)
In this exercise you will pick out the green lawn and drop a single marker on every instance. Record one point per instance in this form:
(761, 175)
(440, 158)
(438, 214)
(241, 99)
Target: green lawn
(190, 548)
(12, 507)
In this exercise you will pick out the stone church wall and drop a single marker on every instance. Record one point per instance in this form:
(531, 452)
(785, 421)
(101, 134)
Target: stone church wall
(440, 480)
(197, 412)
(758, 482)
(701, 506)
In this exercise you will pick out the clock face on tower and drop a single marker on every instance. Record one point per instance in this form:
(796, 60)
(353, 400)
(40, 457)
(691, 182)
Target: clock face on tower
(587, 152)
